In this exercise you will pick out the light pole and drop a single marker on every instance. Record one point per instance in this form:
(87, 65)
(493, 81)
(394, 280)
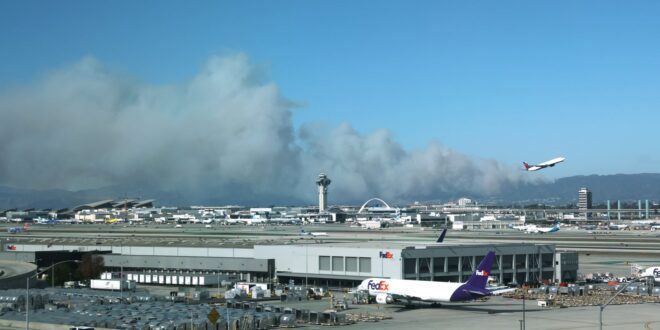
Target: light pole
(602, 307)
(27, 290)
(523, 320)
(121, 283)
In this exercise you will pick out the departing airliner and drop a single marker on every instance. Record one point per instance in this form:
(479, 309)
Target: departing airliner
(388, 291)
(549, 163)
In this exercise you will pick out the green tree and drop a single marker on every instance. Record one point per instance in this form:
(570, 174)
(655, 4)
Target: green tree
(62, 273)
(91, 267)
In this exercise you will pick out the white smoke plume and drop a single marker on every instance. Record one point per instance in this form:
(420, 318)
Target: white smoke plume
(226, 135)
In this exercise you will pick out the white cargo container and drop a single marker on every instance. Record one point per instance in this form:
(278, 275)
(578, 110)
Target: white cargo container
(168, 279)
(161, 279)
(457, 225)
(111, 285)
(141, 278)
(187, 280)
(180, 280)
(194, 280)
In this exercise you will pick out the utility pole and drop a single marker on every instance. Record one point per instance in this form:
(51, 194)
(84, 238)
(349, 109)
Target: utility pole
(524, 325)
(602, 307)
(121, 283)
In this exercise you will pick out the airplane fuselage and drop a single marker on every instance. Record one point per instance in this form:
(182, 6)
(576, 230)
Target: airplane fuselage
(652, 272)
(549, 163)
(414, 290)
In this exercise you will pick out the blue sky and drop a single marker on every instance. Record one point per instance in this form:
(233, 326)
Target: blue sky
(507, 80)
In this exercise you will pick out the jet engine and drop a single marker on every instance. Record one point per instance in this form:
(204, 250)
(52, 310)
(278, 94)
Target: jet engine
(384, 298)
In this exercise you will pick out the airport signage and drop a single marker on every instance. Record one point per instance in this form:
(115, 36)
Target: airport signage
(213, 316)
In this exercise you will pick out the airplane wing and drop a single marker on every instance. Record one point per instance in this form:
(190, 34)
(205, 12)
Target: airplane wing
(480, 293)
(404, 297)
(501, 291)
(407, 297)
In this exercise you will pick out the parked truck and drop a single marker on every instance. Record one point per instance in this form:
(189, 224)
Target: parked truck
(112, 285)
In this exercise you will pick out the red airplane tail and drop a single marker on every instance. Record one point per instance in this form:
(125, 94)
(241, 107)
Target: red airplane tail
(526, 165)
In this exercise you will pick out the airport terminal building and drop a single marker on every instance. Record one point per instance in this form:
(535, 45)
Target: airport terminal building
(315, 262)
(346, 264)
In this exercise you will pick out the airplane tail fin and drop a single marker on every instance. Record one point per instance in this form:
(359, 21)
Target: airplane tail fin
(526, 165)
(479, 278)
(442, 236)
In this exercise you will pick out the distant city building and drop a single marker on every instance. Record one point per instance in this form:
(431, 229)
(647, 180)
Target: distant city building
(464, 201)
(323, 182)
(584, 201)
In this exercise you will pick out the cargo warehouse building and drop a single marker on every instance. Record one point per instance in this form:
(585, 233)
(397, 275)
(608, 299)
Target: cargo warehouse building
(332, 264)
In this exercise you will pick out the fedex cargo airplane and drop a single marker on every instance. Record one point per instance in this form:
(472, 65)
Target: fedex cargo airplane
(549, 163)
(653, 271)
(387, 291)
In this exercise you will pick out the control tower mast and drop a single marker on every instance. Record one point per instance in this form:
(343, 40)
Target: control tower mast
(323, 182)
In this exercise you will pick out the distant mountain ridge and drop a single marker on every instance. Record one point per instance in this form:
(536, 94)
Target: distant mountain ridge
(625, 187)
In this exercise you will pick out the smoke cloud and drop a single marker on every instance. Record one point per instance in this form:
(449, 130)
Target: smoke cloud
(226, 135)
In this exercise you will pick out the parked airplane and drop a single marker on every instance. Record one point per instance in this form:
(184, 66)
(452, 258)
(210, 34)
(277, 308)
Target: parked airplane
(311, 233)
(542, 230)
(549, 163)
(523, 227)
(614, 226)
(16, 230)
(285, 221)
(45, 221)
(653, 271)
(388, 291)
(253, 221)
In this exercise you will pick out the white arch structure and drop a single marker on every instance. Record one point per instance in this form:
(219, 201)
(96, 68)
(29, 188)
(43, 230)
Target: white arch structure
(371, 200)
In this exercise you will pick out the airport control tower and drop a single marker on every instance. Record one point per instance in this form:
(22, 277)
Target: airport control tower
(323, 182)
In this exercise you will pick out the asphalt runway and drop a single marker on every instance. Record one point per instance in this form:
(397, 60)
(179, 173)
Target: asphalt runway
(498, 313)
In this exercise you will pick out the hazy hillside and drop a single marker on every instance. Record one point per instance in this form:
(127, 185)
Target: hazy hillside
(561, 191)
(603, 187)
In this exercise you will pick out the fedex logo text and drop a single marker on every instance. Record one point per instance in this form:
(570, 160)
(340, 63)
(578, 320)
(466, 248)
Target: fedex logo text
(380, 285)
(481, 273)
(386, 255)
